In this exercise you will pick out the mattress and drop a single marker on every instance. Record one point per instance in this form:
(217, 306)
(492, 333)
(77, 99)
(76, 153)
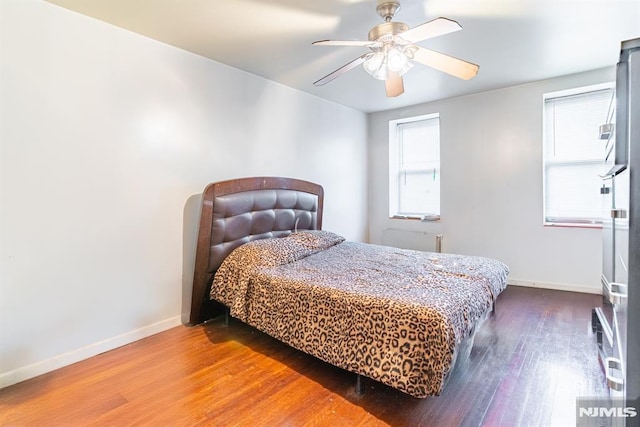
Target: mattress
(396, 316)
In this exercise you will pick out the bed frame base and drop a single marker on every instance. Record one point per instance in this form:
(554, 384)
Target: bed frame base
(359, 388)
(226, 316)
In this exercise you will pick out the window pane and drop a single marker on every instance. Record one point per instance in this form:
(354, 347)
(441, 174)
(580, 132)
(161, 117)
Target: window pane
(419, 144)
(573, 122)
(420, 192)
(573, 192)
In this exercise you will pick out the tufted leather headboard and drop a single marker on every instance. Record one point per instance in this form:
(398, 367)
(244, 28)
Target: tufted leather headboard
(238, 211)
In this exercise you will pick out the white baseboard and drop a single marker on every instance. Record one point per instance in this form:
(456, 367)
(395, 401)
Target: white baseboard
(56, 362)
(555, 286)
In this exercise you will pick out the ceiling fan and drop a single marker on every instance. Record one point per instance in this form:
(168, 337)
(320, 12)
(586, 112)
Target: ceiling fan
(393, 48)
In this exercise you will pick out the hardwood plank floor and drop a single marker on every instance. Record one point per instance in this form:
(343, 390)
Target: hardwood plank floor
(528, 364)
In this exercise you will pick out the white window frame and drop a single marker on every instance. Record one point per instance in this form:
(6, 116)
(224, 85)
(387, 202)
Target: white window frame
(394, 170)
(548, 220)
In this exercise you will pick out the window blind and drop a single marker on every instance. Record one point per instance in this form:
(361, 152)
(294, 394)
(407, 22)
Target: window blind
(418, 168)
(574, 155)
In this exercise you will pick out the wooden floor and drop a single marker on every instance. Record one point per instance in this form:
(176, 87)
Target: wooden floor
(529, 362)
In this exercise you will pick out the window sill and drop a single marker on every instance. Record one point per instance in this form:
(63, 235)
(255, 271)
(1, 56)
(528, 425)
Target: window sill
(572, 225)
(423, 218)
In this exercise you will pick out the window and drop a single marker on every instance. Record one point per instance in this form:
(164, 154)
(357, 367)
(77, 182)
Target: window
(414, 167)
(574, 154)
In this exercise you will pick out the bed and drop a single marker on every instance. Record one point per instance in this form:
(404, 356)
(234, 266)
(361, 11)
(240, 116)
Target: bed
(400, 317)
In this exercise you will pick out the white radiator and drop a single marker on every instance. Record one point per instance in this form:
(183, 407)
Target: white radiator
(417, 240)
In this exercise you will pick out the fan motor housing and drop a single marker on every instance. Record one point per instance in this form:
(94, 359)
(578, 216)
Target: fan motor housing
(387, 29)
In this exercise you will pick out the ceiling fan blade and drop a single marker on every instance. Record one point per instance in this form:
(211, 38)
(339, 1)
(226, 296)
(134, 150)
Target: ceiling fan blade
(346, 43)
(394, 85)
(340, 71)
(445, 63)
(434, 28)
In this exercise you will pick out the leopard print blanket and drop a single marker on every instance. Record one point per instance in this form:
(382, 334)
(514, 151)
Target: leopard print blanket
(394, 315)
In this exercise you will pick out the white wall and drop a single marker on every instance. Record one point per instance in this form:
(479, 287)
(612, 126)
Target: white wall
(491, 202)
(107, 138)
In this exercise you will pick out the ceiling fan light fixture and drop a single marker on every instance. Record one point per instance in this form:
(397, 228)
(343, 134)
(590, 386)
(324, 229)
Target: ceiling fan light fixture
(376, 65)
(391, 59)
(397, 61)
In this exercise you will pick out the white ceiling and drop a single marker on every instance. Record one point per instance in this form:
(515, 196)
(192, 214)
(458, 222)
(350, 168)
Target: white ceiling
(513, 41)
